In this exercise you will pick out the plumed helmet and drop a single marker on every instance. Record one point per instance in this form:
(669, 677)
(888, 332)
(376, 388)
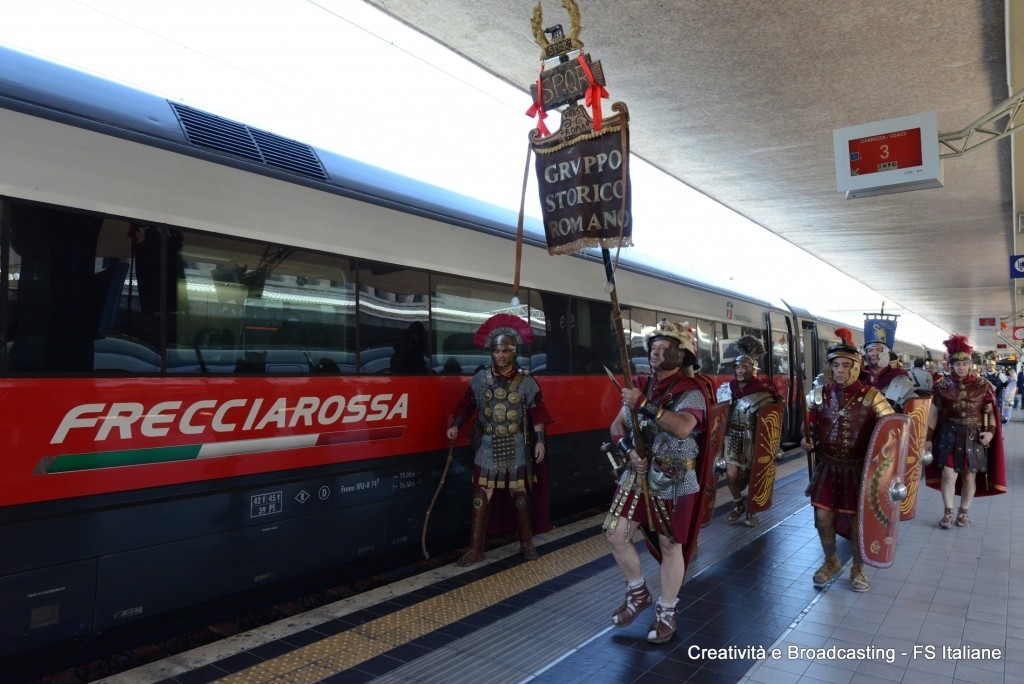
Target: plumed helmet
(846, 349)
(681, 336)
(957, 348)
(503, 331)
(750, 350)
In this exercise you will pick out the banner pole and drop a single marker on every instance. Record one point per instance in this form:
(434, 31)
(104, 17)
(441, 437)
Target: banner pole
(638, 435)
(519, 227)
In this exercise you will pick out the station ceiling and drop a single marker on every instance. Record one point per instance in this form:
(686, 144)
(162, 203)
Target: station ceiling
(739, 100)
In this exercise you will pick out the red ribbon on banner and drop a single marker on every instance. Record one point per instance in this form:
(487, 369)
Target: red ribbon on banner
(537, 110)
(594, 93)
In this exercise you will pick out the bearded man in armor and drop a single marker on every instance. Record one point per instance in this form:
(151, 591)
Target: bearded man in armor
(747, 392)
(657, 488)
(964, 424)
(892, 381)
(841, 416)
(506, 400)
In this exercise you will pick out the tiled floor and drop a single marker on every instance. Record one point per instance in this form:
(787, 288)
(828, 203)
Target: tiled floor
(961, 587)
(748, 591)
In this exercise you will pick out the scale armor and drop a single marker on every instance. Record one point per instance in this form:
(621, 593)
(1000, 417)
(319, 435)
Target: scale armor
(502, 410)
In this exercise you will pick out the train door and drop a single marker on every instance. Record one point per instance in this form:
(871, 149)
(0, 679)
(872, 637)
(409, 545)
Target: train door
(811, 359)
(782, 364)
(807, 366)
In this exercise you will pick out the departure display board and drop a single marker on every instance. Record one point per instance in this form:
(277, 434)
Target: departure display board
(885, 152)
(895, 155)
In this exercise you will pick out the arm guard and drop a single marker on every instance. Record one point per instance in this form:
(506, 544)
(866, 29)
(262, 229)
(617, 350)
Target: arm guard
(877, 402)
(651, 410)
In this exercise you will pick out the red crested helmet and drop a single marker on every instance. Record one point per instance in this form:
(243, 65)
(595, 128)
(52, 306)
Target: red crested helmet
(503, 331)
(957, 348)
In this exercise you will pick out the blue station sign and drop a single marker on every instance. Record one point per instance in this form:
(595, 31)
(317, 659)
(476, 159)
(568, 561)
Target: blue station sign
(1017, 266)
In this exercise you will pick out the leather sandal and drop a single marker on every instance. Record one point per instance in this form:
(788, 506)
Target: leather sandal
(751, 520)
(636, 600)
(664, 624)
(736, 514)
(961, 518)
(858, 580)
(829, 569)
(947, 519)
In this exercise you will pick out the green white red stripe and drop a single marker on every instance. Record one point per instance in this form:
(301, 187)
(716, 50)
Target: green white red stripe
(68, 463)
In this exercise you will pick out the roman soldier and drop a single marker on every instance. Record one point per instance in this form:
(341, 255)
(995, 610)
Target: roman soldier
(892, 381)
(510, 415)
(661, 487)
(841, 416)
(747, 392)
(965, 436)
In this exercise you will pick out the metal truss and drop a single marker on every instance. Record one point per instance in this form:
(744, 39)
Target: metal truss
(998, 123)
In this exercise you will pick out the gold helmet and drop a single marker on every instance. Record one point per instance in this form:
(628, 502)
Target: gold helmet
(683, 337)
(846, 349)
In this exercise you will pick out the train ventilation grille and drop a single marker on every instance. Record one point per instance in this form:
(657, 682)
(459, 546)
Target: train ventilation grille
(213, 132)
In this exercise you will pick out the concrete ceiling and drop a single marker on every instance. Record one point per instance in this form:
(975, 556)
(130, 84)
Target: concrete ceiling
(739, 99)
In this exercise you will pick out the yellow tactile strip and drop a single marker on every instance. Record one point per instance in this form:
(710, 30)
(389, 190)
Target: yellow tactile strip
(319, 660)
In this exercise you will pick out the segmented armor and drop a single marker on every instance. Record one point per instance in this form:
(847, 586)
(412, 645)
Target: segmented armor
(841, 422)
(964, 413)
(739, 438)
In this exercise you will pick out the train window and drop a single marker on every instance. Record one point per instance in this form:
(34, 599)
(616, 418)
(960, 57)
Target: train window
(247, 307)
(780, 354)
(640, 321)
(704, 333)
(727, 346)
(539, 324)
(458, 307)
(593, 339)
(780, 346)
(557, 323)
(68, 291)
(394, 317)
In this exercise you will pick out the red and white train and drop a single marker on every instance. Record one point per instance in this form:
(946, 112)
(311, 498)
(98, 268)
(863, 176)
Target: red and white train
(228, 358)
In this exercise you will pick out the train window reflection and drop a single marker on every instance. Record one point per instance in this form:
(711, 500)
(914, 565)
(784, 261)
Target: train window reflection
(640, 321)
(704, 336)
(394, 318)
(459, 306)
(249, 307)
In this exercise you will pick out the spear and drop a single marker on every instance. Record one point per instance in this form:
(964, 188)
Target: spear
(638, 435)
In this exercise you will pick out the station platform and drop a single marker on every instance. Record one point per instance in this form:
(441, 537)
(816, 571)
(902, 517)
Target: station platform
(951, 609)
